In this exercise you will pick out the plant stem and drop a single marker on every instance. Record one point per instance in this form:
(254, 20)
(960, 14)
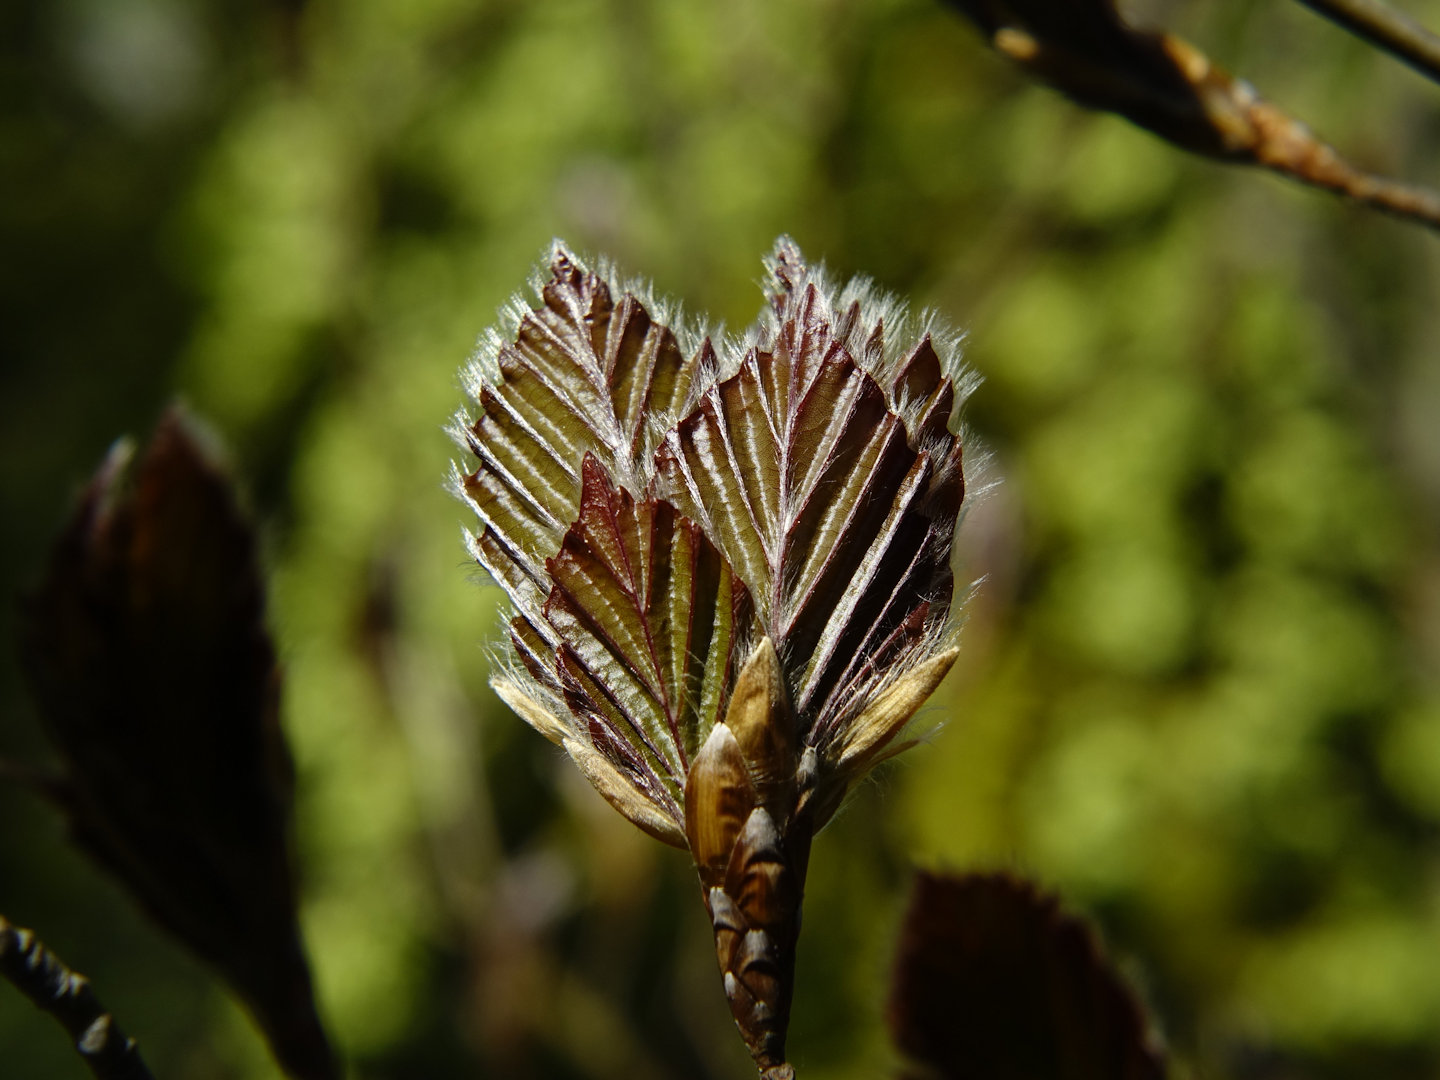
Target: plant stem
(55, 989)
(1383, 26)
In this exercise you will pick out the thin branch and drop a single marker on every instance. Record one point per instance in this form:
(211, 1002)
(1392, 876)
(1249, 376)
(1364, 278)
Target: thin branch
(55, 989)
(1169, 87)
(1383, 26)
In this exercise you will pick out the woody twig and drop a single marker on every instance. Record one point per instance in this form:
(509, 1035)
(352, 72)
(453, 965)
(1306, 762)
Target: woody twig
(1385, 28)
(1169, 87)
(43, 978)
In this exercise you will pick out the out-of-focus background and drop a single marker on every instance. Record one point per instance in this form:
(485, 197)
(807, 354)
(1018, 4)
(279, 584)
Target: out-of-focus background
(1200, 692)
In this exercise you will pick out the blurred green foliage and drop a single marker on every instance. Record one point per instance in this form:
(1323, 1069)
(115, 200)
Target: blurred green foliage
(1199, 692)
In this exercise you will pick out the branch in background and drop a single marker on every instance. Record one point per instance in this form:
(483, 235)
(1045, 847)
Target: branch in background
(993, 980)
(156, 681)
(1386, 28)
(38, 974)
(1167, 86)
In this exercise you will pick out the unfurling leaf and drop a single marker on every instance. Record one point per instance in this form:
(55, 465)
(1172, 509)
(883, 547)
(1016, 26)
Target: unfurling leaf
(155, 678)
(993, 981)
(645, 612)
(580, 374)
(729, 568)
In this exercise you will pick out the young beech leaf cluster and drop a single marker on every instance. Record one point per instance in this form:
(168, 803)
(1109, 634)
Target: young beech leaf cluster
(729, 566)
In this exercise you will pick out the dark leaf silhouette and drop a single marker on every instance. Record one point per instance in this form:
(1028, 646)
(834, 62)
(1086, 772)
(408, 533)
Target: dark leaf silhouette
(993, 981)
(156, 681)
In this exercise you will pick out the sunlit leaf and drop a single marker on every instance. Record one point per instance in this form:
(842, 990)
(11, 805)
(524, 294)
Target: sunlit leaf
(836, 512)
(651, 510)
(583, 373)
(646, 612)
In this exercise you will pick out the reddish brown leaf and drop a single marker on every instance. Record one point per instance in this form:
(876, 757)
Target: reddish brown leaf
(993, 981)
(837, 515)
(582, 373)
(646, 612)
(796, 495)
(155, 678)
